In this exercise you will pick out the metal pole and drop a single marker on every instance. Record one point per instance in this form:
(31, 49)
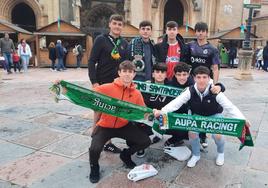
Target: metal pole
(246, 43)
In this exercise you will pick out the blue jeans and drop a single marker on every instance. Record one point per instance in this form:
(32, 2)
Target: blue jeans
(25, 62)
(78, 60)
(9, 60)
(53, 63)
(195, 141)
(265, 64)
(60, 64)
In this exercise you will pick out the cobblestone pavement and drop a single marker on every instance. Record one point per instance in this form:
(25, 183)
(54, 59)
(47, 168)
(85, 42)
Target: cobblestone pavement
(44, 144)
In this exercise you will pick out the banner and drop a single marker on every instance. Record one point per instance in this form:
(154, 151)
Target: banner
(115, 107)
(99, 102)
(195, 123)
(158, 89)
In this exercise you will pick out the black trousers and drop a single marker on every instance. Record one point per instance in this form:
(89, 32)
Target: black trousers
(131, 133)
(177, 135)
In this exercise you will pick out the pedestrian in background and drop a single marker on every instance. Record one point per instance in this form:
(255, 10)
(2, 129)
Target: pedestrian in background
(52, 55)
(265, 57)
(232, 55)
(60, 55)
(6, 49)
(25, 54)
(79, 55)
(16, 61)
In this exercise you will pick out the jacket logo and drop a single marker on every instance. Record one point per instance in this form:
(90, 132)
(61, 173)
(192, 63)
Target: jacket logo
(197, 60)
(205, 51)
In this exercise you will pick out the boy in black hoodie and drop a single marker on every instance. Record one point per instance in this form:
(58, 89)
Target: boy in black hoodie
(159, 76)
(156, 101)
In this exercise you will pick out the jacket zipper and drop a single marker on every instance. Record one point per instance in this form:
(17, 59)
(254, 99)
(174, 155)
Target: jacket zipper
(121, 100)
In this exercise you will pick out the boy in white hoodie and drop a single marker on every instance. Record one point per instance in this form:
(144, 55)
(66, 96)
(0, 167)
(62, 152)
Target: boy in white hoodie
(203, 102)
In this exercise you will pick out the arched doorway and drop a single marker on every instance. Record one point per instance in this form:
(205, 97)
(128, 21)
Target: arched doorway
(173, 11)
(23, 15)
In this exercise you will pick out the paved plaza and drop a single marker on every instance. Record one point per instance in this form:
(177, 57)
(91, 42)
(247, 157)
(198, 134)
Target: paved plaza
(44, 144)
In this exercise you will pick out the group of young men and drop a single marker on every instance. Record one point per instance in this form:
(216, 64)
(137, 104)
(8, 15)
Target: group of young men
(114, 64)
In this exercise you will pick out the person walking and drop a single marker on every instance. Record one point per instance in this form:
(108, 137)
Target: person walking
(25, 54)
(60, 55)
(79, 55)
(232, 55)
(6, 49)
(52, 55)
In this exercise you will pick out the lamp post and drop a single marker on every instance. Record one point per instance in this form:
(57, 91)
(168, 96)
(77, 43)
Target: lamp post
(246, 43)
(246, 53)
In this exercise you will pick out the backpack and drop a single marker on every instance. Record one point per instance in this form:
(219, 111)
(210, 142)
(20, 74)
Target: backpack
(75, 51)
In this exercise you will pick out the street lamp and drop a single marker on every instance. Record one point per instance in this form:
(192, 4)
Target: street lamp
(250, 5)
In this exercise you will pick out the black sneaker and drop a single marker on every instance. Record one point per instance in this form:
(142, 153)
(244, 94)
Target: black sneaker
(126, 158)
(155, 139)
(112, 148)
(203, 142)
(140, 153)
(173, 143)
(94, 175)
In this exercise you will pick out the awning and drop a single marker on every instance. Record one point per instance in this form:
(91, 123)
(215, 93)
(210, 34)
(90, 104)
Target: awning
(12, 28)
(59, 34)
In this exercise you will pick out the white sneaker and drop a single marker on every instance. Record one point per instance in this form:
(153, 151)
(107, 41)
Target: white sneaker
(220, 159)
(192, 162)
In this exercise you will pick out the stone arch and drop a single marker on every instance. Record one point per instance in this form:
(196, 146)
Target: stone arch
(23, 16)
(8, 5)
(186, 7)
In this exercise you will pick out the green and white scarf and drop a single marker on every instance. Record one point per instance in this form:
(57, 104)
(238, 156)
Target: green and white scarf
(99, 102)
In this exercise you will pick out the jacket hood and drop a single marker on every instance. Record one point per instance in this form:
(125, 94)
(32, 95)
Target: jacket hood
(118, 82)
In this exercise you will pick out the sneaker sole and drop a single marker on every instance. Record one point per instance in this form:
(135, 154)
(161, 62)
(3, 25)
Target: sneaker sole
(194, 165)
(140, 156)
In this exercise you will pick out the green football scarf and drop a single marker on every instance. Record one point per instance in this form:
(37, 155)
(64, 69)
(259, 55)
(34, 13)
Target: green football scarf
(152, 88)
(99, 102)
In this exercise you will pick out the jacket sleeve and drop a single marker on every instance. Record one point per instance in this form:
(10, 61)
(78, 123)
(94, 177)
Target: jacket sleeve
(19, 49)
(140, 100)
(157, 53)
(129, 50)
(93, 59)
(13, 46)
(221, 85)
(29, 49)
(227, 105)
(186, 55)
(175, 104)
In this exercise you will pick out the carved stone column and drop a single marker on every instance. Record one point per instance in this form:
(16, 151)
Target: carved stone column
(244, 66)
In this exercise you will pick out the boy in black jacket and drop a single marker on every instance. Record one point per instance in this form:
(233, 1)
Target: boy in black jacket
(108, 51)
(172, 49)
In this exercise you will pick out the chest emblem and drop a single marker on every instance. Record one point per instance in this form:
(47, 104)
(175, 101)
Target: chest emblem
(205, 51)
